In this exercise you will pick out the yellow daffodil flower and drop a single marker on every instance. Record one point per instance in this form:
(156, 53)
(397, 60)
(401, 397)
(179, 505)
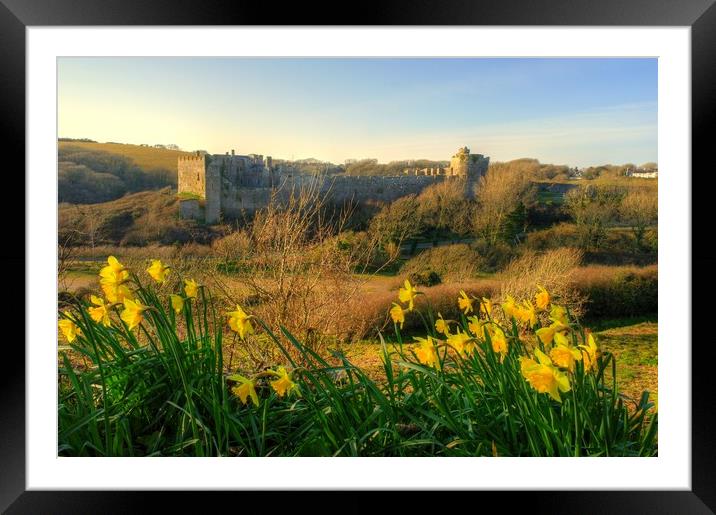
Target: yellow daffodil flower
(240, 322)
(158, 271)
(590, 353)
(426, 352)
(486, 307)
(544, 377)
(397, 313)
(100, 313)
(441, 326)
(542, 298)
(546, 334)
(116, 293)
(177, 303)
(191, 288)
(464, 302)
(408, 294)
(499, 343)
(245, 389)
(112, 279)
(133, 313)
(565, 356)
(509, 307)
(527, 314)
(559, 313)
(462, 343)
(476, 326)
(69, 328)
(283, 385)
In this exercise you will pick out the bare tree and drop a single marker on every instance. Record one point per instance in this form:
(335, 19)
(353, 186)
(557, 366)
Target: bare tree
(640, 210)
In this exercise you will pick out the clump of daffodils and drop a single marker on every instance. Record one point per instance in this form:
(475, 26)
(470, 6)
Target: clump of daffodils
(548, 359)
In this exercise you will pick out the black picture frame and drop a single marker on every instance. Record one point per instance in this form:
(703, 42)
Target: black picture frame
(700, 15)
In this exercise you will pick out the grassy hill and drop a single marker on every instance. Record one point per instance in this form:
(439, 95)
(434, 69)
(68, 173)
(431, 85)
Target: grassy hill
(135, 219)
(147, 158)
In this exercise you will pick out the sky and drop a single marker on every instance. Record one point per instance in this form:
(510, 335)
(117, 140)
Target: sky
(579, 112)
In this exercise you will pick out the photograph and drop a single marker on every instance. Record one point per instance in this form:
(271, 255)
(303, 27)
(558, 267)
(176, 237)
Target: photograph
(378, 256)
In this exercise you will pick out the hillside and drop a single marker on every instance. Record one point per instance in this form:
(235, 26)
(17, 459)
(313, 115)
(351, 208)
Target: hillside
(135, 219)
(146, 158)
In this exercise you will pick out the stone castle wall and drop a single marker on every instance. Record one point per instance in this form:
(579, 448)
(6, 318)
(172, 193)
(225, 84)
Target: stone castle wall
(232, 186)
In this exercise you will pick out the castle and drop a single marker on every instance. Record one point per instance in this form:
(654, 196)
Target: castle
(215, 187)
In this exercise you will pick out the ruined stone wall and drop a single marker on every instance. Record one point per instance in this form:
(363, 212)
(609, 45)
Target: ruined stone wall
(235, 185)
(191, 175)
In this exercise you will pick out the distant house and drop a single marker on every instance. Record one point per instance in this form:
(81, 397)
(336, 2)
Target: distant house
(643, 173)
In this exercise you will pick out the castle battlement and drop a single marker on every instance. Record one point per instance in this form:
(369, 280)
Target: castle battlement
(231, 184)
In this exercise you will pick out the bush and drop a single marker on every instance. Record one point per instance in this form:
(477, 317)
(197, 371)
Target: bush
(626, 291)
(425, 278)
(448, 262)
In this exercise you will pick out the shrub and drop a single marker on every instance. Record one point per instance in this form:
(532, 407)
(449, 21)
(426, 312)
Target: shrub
(448, 262)
(620, 292)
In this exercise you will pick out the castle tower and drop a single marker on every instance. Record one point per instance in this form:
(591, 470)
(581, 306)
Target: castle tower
(191, 178)
(469, 167)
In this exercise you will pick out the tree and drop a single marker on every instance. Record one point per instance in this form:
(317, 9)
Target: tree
(593, 209)
(499, 195)
(640, 210)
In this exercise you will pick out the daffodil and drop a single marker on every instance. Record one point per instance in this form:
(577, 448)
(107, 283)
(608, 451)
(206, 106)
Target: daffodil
(565, 356)
(397, 313)
(245, 389)
(526, 313)
(177, 303)
(68, 327)
(559, 313)
(116, 292)
(112, 279)
(464, 302)
(499, 343)
(546, 334)
(240, 322)
(133, 313)
(542, 298)
(509, 307)
(114, 270)
(100, 313)
(158, 271)
(461, 342)
(486, 307)
(426, 352)
(476, 326)
(191, 288)
(283, 385)
(590, 353)
(408, 294)
(442, 326)
(544, 377)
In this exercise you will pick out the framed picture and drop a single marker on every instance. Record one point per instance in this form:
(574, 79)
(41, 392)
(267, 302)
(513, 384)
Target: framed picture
(590, 101)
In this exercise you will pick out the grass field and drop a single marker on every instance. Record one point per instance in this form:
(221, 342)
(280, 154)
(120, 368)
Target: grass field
(146, 158)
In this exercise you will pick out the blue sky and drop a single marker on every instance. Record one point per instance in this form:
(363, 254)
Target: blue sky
(565, 111)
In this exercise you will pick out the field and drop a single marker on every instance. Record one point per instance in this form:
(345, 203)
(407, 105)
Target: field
(147, 158)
